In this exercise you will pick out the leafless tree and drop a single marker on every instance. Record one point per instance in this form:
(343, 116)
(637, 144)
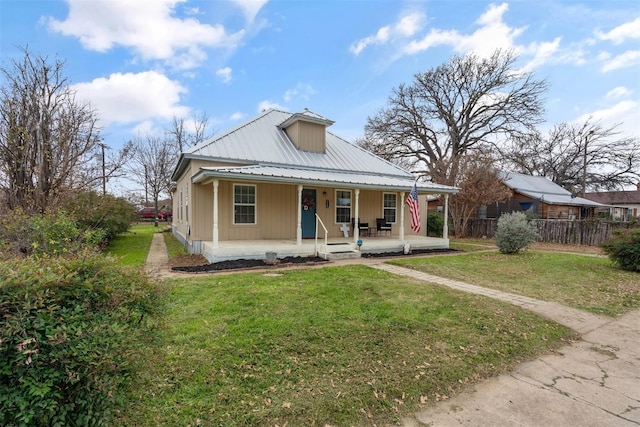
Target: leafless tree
(577, 156)
(454, 108)
(186, 136)
(46, 135)
(152, 161)
(479, 185)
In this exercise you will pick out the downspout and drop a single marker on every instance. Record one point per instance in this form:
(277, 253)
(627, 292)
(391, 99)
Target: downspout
(299, 228)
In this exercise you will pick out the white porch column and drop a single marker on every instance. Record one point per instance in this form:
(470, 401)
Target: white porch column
(401, 235)
(215, 213)
(299, 207)
(356, 222)
(426, 214)
(445, 228)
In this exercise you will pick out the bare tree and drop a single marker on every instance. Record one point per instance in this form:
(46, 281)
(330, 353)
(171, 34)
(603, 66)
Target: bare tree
(186, 136)
(46, 135)
(479, 185)
(577, 156)
(152, 161)
(453, 108)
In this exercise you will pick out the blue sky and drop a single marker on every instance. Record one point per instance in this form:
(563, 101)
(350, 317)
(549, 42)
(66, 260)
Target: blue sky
(142, 62)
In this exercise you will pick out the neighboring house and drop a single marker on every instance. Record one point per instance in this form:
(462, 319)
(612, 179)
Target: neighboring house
(541, 197)
(282, 183)
(622, 205)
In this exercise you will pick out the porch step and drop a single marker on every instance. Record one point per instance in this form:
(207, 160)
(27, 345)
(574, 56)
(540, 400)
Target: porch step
(340, 250)
(343, 255)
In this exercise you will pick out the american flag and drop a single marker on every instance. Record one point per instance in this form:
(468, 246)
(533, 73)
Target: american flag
(414, 208)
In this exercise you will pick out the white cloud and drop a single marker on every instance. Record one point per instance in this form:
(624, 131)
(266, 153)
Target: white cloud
(266, 104)
(406, 26)
(237, 116)
(492, 34)
(149, 28)
(629, 30)
(630, 58)
(224, 74)
(542, 53)
(302, 91)
(618, 92)
(250, 7)
(130, 98)
(624, 113)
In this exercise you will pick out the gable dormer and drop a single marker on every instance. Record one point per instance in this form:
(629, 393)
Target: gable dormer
(307, 130)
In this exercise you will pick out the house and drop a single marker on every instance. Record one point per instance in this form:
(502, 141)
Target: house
(283, 183)
(540, 197)
(622, 205)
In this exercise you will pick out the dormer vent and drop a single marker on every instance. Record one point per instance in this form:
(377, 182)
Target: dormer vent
(307, 130)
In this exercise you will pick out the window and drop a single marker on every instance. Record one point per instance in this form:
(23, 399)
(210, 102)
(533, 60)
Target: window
(343, 206)
(389, 204)
(244, 204)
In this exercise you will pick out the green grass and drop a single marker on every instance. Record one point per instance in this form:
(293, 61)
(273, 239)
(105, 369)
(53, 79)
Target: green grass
(132, 248)
(338, 345)
(585, 282)
(174, 247)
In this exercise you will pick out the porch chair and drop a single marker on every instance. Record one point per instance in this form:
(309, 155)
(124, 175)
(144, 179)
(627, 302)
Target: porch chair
(382, 225)
(363, 227)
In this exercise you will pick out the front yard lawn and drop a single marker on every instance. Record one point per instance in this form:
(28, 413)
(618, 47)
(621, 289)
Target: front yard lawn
(332, 346)
(586, 282)
(132, 248)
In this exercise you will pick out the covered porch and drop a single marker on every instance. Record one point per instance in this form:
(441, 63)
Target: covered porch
(257, 249)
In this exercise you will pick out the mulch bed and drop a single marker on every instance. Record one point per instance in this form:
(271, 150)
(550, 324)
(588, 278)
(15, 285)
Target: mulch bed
(244, 264)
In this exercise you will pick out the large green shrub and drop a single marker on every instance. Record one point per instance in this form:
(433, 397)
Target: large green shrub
(435, 224)
(624, 249)
(68, 332)
(514, 233)
(92, 211)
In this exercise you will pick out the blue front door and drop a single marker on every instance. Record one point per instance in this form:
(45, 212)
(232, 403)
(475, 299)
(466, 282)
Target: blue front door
(308, 213)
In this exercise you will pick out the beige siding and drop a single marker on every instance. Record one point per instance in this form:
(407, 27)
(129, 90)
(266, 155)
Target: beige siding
(308, 136)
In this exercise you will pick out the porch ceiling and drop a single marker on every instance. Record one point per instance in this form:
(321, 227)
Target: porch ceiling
(306, 176)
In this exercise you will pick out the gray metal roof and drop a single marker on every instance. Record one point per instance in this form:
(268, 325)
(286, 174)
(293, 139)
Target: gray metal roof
(543, 189)
(262, 142)
(318, 177)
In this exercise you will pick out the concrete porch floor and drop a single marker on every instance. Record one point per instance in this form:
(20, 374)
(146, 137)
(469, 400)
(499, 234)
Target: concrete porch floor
(256, 249)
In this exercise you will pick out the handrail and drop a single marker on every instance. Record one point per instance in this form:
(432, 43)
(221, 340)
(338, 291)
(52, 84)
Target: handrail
(325, 236)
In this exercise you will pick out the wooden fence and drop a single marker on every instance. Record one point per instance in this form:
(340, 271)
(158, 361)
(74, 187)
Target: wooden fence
(587, 232)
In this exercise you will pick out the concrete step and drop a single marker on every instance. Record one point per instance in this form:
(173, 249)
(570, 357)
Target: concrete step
(343, 255)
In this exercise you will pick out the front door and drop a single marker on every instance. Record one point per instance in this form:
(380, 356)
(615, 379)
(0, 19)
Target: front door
(308, 213)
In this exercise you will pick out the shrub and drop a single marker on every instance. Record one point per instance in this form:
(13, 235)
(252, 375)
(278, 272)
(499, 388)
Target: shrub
(514, 233)
(68, 333)
(624, 249)
(435, 224)
(92, 211)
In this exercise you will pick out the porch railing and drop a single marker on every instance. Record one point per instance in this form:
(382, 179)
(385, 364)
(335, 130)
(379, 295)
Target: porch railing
(326, 233)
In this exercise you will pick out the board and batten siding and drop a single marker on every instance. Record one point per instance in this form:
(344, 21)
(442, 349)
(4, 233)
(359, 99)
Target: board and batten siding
(308, 136)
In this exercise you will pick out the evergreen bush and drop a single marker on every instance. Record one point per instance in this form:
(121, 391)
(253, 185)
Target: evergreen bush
(514, 233)
(435, 224)
(624, 249)
(69, 329)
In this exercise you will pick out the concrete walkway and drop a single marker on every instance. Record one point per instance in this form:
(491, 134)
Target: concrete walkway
(593, 382)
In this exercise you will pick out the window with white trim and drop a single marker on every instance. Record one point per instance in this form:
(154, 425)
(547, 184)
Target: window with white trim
(343, 206)
(244, 204)
(389, 206)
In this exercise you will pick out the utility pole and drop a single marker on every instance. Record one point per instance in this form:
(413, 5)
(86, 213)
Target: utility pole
(104, 174)
(584, 163)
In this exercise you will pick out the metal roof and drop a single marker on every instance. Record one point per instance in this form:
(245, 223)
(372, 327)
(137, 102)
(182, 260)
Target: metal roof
(261, 141)
(318, 177)
(543, 189)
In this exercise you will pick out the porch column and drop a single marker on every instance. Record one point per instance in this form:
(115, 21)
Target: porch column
(445, 228)
(215, 213)
(401, 235)
(299, 207)
(426, 215)
(356, 222)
